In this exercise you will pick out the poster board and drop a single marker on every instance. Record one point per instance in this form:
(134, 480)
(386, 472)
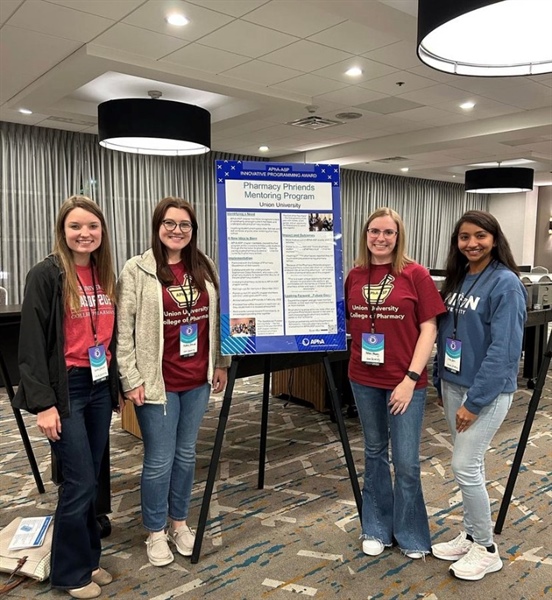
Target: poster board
(280, 257)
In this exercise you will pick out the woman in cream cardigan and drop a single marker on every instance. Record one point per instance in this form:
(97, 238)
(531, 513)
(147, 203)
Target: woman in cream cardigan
(169, 362)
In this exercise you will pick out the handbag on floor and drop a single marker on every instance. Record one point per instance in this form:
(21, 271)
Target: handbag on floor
(30, 562)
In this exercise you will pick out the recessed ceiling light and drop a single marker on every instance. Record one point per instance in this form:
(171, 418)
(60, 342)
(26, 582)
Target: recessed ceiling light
(25, 111)
(264, 148)
(177, 20)
(405, 169)
(467, 105)
(354, 72)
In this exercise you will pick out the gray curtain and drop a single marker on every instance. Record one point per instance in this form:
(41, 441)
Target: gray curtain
(41, 167)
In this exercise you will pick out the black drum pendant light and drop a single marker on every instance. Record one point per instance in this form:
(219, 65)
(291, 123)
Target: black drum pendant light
(499, 180)
(490, 38)
(154, 126)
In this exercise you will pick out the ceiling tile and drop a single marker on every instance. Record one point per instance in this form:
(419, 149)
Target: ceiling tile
(353, 37)
(398, 83)
(109, 9)
(204, 58)
(24, 58)
(436, 94)
(247, 39)
(59, 21)
(306, 56)
(201, 20)
(401, 55)
(7, 8)
(304, 22)
(350, 96)
(236, 8)
(311, 85)
(262, 73)
(370, 70)
(139, 41)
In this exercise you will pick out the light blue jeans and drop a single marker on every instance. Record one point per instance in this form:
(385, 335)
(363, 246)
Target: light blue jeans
(170, 435)
(392, 511)
(468, 457)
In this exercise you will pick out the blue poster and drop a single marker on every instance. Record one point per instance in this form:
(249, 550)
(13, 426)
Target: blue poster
(280, 257)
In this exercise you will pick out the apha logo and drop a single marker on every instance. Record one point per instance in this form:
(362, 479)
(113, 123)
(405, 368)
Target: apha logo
(378, 288)
(179, 292)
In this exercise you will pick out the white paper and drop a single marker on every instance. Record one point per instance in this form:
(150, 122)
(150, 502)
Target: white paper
(30, 533)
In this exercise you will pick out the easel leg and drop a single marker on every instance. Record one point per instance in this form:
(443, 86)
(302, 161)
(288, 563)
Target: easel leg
(343, 435)
(21, 426)
(223, 418)
(264, 423)
(522, 444)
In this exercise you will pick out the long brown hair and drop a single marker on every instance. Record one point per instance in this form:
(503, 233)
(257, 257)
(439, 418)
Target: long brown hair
(196, 263)
(399, 259)
(457, 263)
(101, 258)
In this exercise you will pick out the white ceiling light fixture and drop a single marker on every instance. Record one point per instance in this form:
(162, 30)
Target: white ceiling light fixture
(354, 72)
(467, 105)
(405, 169)
(25, 111)
(177, 20)
(264, 148)
(486, 38)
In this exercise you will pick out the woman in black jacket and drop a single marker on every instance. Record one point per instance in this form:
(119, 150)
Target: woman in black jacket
(69, 380)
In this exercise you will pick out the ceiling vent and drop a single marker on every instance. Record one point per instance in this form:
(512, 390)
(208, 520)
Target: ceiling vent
(72, 121)
(314, 122)
(391, 159)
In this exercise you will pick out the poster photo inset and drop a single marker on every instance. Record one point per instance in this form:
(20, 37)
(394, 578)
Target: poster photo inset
(281, 257)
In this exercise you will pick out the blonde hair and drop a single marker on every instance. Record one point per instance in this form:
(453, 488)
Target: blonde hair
(102, 257)
(400, 259)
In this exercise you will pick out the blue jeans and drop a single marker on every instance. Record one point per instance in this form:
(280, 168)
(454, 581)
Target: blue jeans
(169, 434)
(76, 545)
(392, 511)
(468, 457)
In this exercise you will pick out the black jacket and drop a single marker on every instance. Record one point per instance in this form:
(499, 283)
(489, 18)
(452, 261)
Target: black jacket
(42, 365)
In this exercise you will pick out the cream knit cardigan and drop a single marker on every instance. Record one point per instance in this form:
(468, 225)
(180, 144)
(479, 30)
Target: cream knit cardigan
(140, 329)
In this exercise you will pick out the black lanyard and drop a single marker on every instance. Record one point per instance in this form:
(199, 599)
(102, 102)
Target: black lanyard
(88, 303)
(188, 299)
(371, 306)
(457, 301)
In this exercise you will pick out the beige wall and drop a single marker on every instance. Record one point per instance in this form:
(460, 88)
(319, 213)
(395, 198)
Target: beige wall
(543, 241)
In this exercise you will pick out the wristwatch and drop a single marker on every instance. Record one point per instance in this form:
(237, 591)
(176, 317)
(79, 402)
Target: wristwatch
(413, 375)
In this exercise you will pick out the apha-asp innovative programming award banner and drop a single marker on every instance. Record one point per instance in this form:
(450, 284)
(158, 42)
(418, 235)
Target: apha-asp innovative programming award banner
(280, 257)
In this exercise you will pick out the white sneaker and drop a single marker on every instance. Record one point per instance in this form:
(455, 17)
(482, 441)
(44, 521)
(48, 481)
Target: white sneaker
(183, 538)
(477, 563)
(159, 553)
(453, 550)
(373, 547)
(414, 554)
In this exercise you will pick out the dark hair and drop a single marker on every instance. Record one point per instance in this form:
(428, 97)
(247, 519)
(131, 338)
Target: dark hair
(457, 263)
(196, 263)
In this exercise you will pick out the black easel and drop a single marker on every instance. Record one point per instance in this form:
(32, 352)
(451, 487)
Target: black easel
(21, 426)
(522, 444)
(223, 418)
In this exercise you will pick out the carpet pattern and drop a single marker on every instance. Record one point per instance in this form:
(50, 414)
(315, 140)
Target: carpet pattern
(299, 535)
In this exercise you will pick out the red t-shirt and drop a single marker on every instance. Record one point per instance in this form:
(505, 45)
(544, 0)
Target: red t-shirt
(79, 335)
(182, 373)
(407, 300)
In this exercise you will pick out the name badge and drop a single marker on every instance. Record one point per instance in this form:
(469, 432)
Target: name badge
(188, 339)
(373, 345)
(98, 363)
(453, 355)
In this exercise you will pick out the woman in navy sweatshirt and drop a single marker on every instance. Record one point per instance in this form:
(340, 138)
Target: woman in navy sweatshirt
(479, 347)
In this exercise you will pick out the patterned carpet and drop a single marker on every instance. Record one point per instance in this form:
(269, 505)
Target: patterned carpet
(299, 536)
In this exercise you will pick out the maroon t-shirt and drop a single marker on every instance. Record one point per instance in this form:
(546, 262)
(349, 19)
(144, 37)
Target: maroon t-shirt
(77, 325)
(184, 303)
(405, 301)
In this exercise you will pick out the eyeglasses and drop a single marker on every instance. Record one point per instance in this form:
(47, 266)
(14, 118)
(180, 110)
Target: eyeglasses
(387, 233)
(170, 225)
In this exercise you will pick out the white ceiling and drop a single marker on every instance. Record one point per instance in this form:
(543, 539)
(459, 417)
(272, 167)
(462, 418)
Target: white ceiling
(257, 64)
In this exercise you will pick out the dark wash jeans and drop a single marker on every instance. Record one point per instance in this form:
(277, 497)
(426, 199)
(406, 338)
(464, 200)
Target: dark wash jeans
(76, 545)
